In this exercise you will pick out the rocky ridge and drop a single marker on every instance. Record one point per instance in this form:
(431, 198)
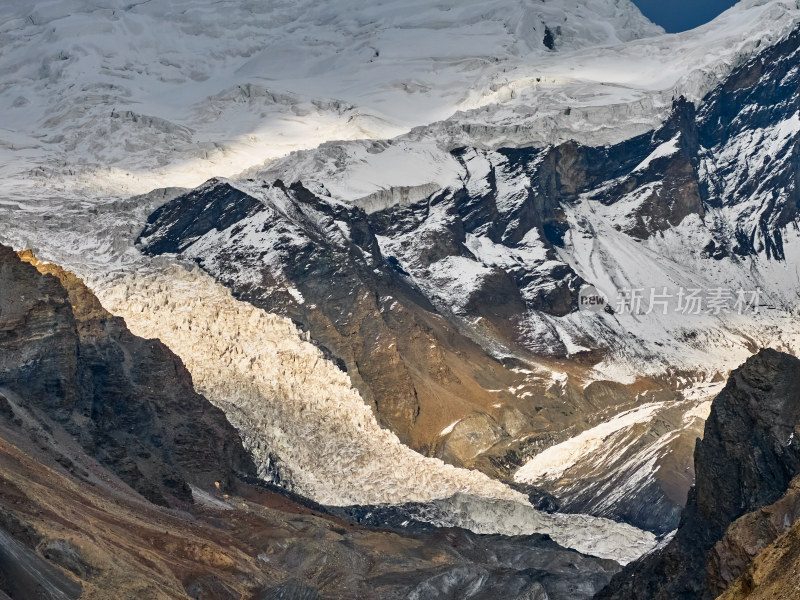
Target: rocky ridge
(745, 493)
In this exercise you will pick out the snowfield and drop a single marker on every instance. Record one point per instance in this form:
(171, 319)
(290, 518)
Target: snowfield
(132, 96)
(125, 97)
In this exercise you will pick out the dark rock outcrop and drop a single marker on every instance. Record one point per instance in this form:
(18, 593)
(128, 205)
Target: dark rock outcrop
(772, 572)
(24, 574)
(747, 459)
(128, 401)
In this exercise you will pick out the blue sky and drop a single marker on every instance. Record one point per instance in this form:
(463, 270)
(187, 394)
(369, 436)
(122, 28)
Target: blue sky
(680, 15)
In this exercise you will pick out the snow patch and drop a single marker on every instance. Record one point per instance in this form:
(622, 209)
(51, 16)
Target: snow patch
(554, 461)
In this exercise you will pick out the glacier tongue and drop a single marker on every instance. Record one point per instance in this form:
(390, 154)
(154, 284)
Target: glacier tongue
(590, 535)
(302, 409)
(283, 396)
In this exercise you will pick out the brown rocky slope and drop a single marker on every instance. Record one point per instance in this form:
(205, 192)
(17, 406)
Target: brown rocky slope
(129, 401)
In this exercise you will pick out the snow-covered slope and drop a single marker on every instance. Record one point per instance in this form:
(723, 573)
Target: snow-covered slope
(127, 97)
(593, 96)
(622, 466)
(132, 96)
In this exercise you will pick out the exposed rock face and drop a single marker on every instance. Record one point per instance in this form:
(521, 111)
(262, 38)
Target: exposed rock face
(73, 525)
(746, 461)
(750, 126)
(773, 572)
(733, 556)
(23, 574)
(129, 401)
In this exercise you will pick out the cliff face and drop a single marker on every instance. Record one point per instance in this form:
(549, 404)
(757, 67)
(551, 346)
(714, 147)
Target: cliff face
(744, 496)
(129, 401)
(772, 572)
(738, 563)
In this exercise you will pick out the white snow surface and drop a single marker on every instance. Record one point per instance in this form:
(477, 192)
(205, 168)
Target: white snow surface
(555, 460)
(128, 97)
(666, 149)
(596, 96)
